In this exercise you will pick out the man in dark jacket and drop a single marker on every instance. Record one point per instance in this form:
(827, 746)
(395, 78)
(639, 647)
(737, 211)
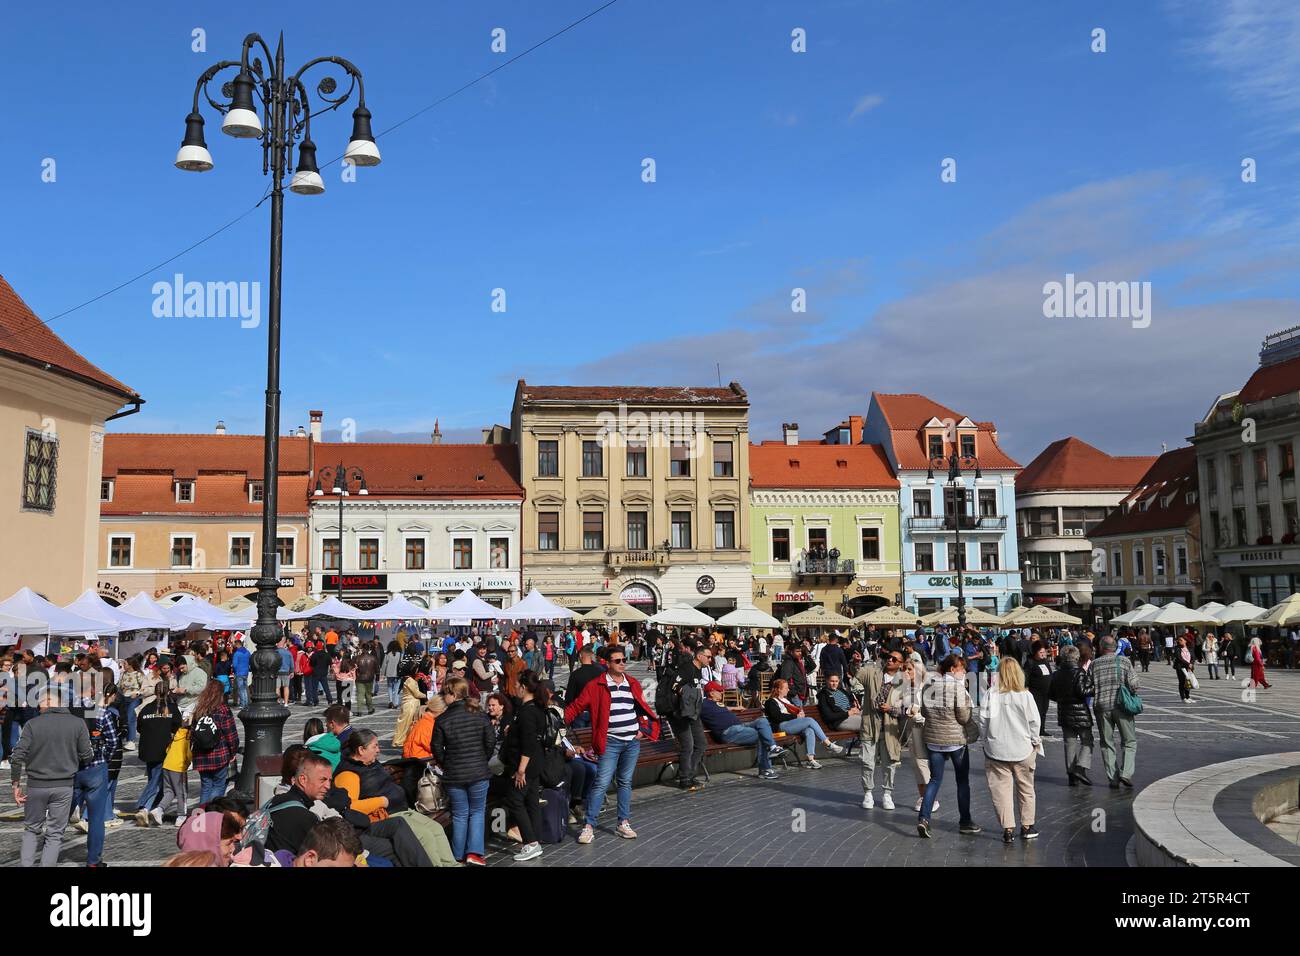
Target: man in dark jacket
(367, 670)
(688, 692)
(319, 676)
(1070, 688)
(1038, 681)
(793, 672)
(291, 814)
(586, 672)
(44, 765)
(832, 660)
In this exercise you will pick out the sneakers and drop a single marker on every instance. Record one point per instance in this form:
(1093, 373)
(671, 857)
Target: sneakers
(625, 831)
(776, 751)
(4, 764)
(1008, 836)
(1028, 833)
(75, 815)
(473, 859)
(112, 824)
(688, 785)
(514, 836)
(887, 800)
(1126, 782)
(587, 835)
(923, 829)
(768, 774)
(922, 800)
(129, 745)
(970, 829)
(156, 815)
(812, 764)
(83, 826)
(530, 852)
(180, 820)
(869, 801)
(834, 748)
(142, 818)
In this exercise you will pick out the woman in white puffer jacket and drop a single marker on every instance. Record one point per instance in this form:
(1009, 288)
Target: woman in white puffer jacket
(1011, 744)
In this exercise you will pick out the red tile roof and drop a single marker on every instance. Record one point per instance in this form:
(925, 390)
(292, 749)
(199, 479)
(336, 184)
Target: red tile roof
(778, 465)
(1173, 473)
(733, 394)
(25, 337)
(1271, 381)
(436, 471)
(214, 495)
(1071, 463)
(906, 416)
(188, 456)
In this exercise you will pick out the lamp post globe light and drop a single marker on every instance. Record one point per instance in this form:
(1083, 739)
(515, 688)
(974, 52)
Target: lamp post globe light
(339, 477)
(284, 119)
(957, 481)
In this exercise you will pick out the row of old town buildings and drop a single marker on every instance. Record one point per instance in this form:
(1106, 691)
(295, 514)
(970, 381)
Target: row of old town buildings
(655, 495)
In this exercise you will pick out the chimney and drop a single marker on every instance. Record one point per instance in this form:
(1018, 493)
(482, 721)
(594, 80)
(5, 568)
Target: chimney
(300, 433)
(791, 432)
(436, 437)
(316, 417)
(221, 428)
(487, 436)
(855, 429)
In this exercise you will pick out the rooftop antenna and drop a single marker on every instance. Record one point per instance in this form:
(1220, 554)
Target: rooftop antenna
(719, 367)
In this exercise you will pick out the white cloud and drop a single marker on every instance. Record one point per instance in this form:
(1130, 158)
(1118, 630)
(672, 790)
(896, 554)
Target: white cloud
(865, 105)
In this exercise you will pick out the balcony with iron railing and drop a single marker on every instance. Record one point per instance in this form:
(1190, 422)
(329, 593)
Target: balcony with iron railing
(942, 523)
(645, 558)
(832, 567)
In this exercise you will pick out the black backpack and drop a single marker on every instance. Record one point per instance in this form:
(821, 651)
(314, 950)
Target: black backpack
(205, 735)
(666, 693)
(553, 772)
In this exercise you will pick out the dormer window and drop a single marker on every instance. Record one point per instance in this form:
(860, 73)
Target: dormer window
(185, 491)
(934, 444)
(106, 490)
(968, 446)
(256, 491)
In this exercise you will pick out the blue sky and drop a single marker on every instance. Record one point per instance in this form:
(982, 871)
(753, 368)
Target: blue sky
(775, 170)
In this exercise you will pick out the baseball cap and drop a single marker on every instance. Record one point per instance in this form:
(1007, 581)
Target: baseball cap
(712, 686)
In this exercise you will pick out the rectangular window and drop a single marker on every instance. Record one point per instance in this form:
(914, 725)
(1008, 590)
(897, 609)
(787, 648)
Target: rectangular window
(414, 554)
(921, 504)
(1263, 514)
(723, 467)
(1180, 559)
(988, 555)
(182, 552)
(681, 530)
(988, 503)
(106, 490)
(954, 555)
(818, 540)
(1239, 519)
(1291, 518)
(1117, 564)
(780, 544)
(241, 551)
(638, 532)
(119, 552)
(1288, 460)
(680, 459)
(1043, 566)
(1078, 565)
(724, 530)
(593, 531)
(968, 446)
(1234, 470)
(331, 553)
(462, 553)
(1038, 522)
(1211, 477)
(256, 491)
(548, 531)
(926, 606)
(870, 544)
(934, 446)
(1139, 563)
(368, 554)
(636, 460)
(40, 468)
(1261, 466)
(548, 458)
(499, 552)
(185, 491)
(593, 460)
(285, 548)
(924, 556)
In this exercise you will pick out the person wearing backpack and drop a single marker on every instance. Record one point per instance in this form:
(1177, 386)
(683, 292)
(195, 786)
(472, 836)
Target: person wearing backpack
(1112, 674)
(523, 757)
(214, 741)
(175, 788)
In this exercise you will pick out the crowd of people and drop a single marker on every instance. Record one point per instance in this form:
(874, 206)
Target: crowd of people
(479, 720)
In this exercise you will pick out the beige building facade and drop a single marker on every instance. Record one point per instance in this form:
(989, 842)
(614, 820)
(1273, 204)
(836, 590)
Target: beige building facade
(638, 493)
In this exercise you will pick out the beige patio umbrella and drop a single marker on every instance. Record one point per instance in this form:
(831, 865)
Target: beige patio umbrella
(1012, 617)
(889, 616)
(1279, 615)
(614, 612)
(304, 603)
(236, 604)
(818, 616)
(1040, 616)
(973, 616)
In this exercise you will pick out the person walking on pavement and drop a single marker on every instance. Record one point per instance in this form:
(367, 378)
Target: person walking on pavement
(687, 690)
(367, 670)
(1181, 658)
(1010, 717)
(949, 729)
(1255, 657)
(43, 768)
(1110, 672)
(879, 736)
(1071, 687)
(1038, 681)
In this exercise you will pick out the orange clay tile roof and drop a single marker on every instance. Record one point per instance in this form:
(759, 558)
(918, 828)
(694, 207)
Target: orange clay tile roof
(25, 337)
(1071, 463)
(778, 465)
(1271, 381)
(214, 495)
(443, 471)
(906, 416)
(732, 394)
(1173, 473)
(187, 456)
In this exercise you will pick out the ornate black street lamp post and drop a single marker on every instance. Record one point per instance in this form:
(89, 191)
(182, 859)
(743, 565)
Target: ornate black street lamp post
(341, 474)
(285, 119)
(955, 463)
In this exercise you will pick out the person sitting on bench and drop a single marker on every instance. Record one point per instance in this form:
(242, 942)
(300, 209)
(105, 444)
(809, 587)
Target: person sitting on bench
(787, 717)
(838, 708)
(727, 728)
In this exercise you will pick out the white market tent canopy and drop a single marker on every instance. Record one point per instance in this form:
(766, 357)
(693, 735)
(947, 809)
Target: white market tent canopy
(398, 608)
(614, 612)
(682, 615)
(93, 606)
(465, 605)
(22, 625)
(749, 617)
(1139, 615)
(164, 618)
(330, 607)
(1239, 611)
(27, 604)
(1175, 613)
(535, 607)
(203, 613)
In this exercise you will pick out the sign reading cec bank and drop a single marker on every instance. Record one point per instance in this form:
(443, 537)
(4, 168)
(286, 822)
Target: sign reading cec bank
(968, 581)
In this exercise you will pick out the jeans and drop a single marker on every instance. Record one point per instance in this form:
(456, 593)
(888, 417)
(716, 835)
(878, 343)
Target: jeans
(314, 686)
(394, 691)
(690, 739)
(1214, 670)
(755, 732)
(811, 730)
(132, 705)
(152, 787)
(468, 808)
(618, 760)
(1107, 724)
(241, 688)
(550, 668)
(212, 784)
(580, 775)
(961, 763)
(91, 785)
(45, 817)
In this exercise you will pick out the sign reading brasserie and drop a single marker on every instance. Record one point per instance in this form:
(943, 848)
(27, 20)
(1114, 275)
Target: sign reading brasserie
(967, 581)
(355, 582)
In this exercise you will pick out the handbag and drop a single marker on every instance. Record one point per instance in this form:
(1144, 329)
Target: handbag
(433, 796)
(1191, 677)
(1126, 701)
